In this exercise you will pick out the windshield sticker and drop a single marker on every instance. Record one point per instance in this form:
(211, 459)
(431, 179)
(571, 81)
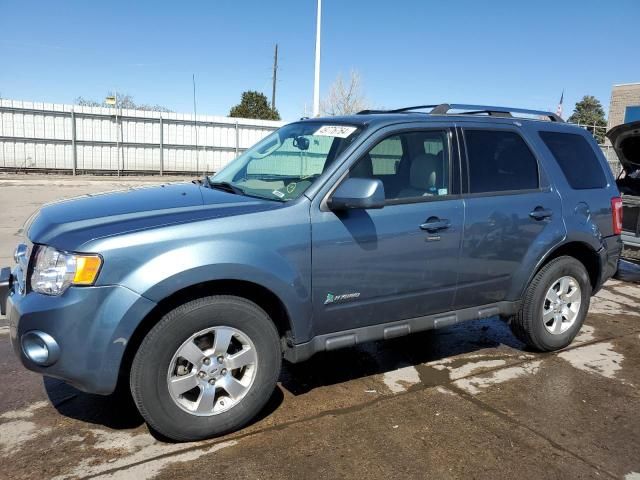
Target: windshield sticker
(278, 193)
(340, 131)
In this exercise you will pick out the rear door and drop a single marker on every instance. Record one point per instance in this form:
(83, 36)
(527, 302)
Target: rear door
(512, 213)
(398, 262)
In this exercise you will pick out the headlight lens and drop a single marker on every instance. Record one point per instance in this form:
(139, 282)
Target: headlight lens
(55, 271)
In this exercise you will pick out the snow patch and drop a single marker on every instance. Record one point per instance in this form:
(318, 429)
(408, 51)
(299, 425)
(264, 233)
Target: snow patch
(585, 335)
(138, 449)
(151, 468)
(401, 379)
(27, 412)
(475, 385)
(599, 358)
(16, 433)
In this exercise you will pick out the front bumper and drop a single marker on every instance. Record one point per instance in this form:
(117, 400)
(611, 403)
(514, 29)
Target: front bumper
(91, 326)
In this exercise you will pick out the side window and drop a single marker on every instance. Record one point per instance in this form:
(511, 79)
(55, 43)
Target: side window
(576, 159)
(410, 165)
(499, 161)
(386, 156)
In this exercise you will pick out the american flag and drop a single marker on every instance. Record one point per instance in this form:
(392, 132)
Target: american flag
(559, 109)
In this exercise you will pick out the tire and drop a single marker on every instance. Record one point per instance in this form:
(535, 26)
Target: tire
(529, 324)
(206, 324)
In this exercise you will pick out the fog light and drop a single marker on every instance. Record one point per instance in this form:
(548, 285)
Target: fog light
(40, 348)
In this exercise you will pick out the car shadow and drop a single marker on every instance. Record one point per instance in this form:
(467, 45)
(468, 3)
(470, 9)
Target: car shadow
(329, 368)
(118, 411)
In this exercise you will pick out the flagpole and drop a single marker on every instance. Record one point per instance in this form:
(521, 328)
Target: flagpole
(316, 82)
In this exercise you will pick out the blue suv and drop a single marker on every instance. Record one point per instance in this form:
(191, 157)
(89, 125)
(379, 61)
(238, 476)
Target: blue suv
(328, 233)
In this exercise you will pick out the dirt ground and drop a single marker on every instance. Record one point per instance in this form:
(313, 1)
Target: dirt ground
(467, 401)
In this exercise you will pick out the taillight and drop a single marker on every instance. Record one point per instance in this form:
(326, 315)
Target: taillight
(616, 211)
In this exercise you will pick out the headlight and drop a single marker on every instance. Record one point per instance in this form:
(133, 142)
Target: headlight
(55, 271)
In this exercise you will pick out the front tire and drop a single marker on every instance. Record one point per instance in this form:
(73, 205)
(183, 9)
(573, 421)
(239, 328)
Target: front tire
(554, 306)
(207, 368)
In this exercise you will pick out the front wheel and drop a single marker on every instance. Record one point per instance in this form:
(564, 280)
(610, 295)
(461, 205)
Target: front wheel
(206, 368)
(554, 306)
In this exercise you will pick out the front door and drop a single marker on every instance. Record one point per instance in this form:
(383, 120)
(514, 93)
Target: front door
(399, 262)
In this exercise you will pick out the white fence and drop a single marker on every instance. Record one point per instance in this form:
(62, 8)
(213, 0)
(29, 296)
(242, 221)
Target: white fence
(48, 137)
(56, 137)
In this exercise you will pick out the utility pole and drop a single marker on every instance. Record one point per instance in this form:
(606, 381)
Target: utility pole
(195, 123)
(316, 82)
(275, 78)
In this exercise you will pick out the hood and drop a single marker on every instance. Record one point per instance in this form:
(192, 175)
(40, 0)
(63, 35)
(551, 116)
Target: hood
(68, 224)
(625, 139)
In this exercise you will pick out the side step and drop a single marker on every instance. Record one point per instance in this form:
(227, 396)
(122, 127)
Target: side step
(385, 331)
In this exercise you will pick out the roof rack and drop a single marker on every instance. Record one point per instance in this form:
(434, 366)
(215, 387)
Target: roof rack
(445, 109)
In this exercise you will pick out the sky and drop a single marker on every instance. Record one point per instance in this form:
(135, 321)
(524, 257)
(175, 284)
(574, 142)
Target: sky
(408, 52)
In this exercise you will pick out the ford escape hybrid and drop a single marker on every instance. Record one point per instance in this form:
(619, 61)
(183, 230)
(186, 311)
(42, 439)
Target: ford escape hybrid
(328, 233)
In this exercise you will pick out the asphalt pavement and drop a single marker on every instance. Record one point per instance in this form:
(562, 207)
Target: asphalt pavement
(467, 401)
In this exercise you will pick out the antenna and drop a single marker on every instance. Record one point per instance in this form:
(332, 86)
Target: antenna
(275, 79)
(195, 124)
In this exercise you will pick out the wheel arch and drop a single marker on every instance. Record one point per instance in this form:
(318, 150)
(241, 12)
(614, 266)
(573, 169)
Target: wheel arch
(581, 251)
(260, 295)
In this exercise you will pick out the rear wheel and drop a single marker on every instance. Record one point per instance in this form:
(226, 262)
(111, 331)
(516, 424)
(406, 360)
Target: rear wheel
(206, 368)
(554, 306)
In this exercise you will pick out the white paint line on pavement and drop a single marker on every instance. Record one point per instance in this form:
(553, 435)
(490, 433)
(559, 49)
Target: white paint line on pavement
(599, 358)
(151, 468)
(400, 380)
(4, 330)
(475, 385)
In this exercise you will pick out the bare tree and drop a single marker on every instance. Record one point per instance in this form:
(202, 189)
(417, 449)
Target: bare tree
(124, 101)
(345, 98)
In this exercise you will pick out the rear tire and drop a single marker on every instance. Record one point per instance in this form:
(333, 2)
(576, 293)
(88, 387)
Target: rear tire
(207, 368)
(554, 306)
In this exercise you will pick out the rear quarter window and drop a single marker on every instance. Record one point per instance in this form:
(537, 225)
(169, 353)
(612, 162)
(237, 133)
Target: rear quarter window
(576, 158)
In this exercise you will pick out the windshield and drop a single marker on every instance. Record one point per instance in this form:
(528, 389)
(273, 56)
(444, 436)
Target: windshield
(287, 162)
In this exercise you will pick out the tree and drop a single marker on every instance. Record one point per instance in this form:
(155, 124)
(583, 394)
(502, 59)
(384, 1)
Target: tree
(254, 105)
(589, 113)
(345, 99)
(124, 101)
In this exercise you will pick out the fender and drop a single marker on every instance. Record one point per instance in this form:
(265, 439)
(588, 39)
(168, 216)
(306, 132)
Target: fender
(157, 263)
(582, 238)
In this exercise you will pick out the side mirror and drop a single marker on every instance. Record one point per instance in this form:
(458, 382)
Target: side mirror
(357, 193)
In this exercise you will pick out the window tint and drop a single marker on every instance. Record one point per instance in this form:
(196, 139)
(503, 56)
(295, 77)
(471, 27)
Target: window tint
(576, 159)
(386, 156)
(499, 161)
(413, 164)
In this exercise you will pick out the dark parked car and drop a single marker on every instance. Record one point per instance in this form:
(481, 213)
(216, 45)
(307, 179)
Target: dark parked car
(626, 142)
(328, 233)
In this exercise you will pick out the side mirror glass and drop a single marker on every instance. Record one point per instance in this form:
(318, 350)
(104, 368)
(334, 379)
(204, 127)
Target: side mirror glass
(357, 193)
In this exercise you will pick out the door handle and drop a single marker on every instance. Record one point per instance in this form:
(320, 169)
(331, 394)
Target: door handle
(540, 213)
(435, 224)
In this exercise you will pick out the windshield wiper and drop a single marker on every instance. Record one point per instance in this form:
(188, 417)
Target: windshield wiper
(224, 186)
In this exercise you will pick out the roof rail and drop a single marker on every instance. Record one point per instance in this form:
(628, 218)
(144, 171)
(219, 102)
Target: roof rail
(445, 109)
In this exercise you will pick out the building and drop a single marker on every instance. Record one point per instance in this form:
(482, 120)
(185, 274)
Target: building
(625, 104)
